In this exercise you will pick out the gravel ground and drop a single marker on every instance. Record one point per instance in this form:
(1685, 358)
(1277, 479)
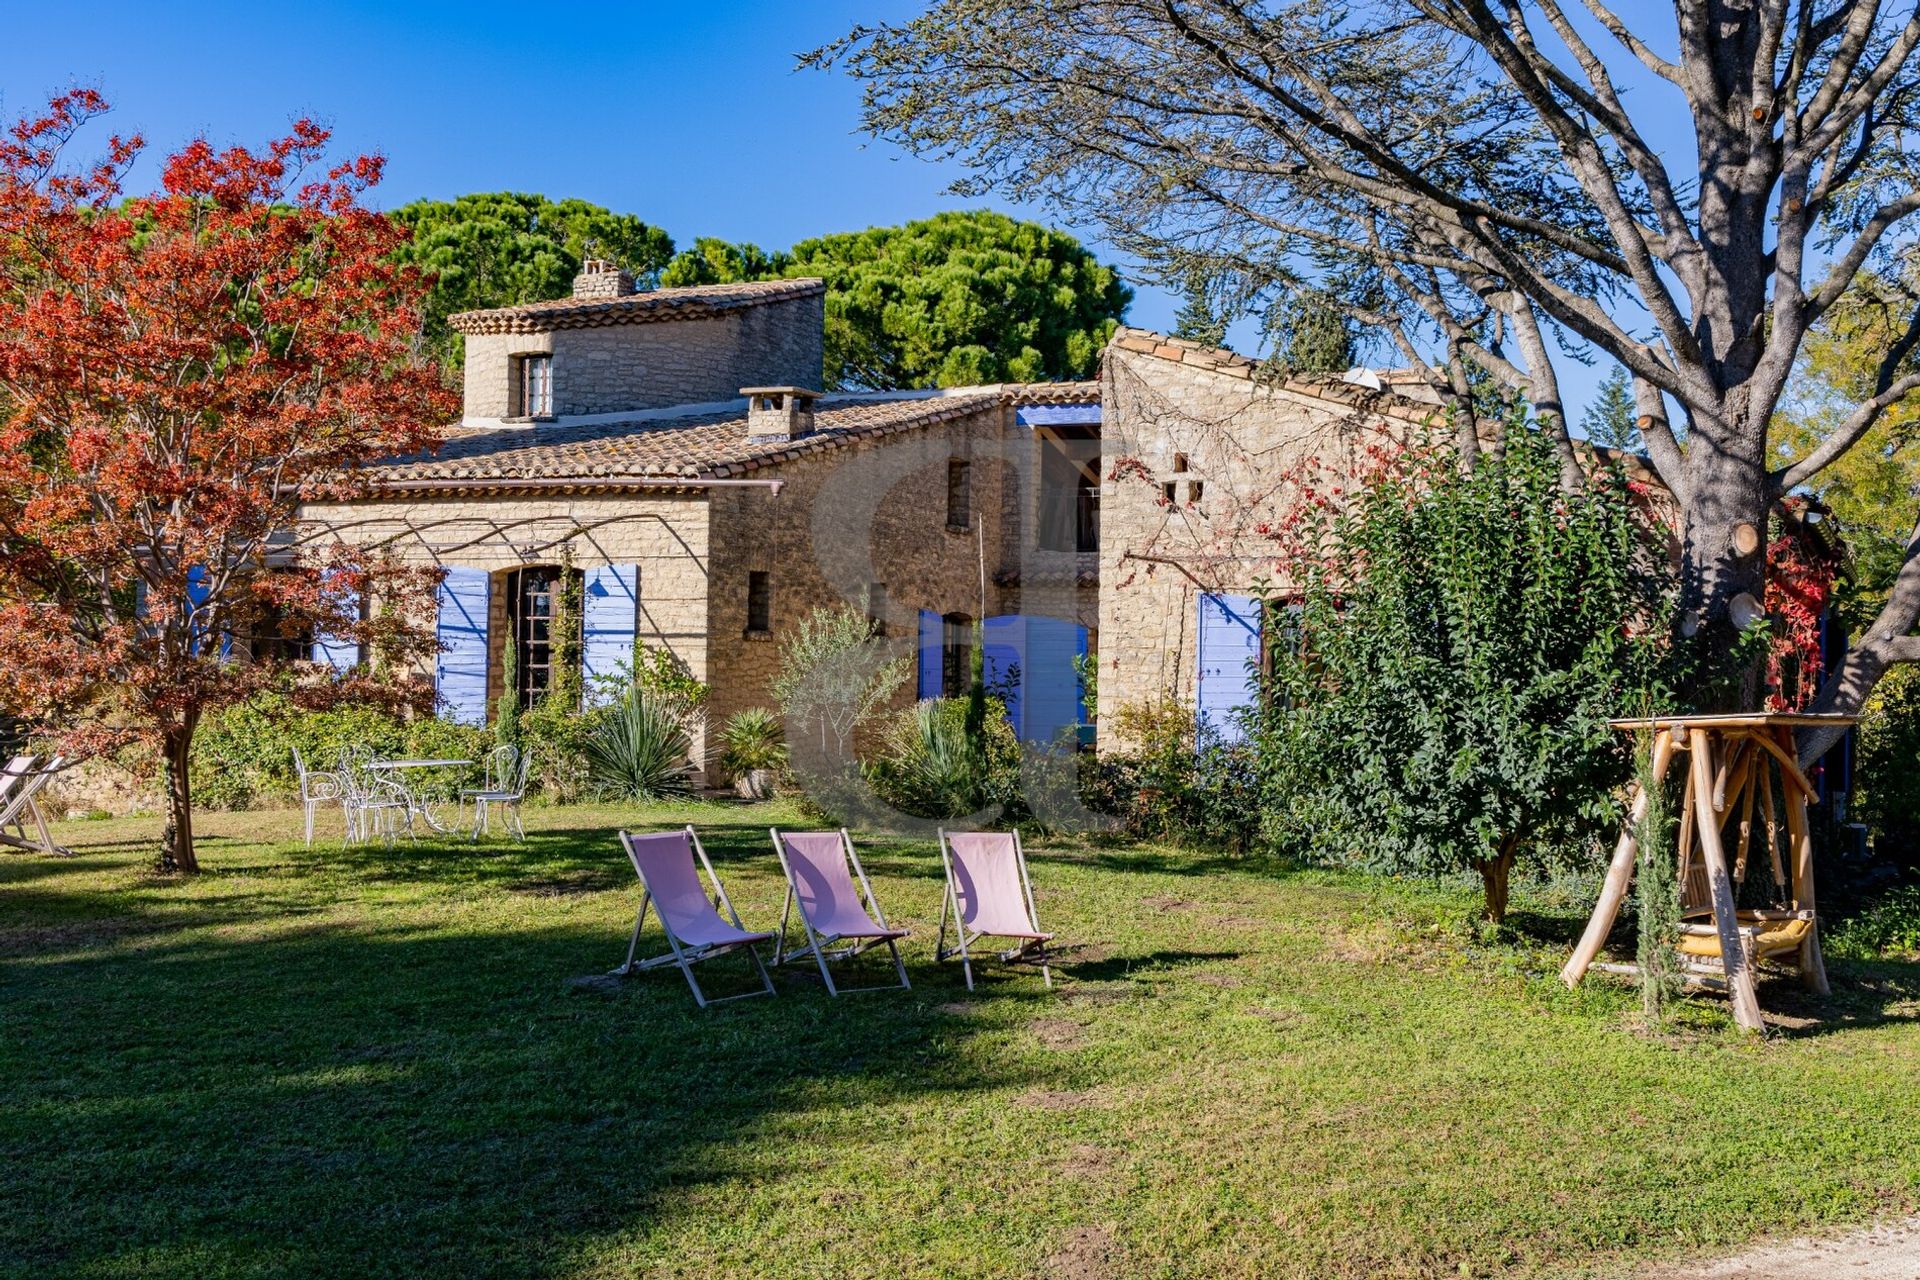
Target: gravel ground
(1890, 1251)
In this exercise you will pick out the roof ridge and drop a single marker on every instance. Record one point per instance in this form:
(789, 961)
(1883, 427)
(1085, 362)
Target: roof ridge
(685, 302)
(1221, 360)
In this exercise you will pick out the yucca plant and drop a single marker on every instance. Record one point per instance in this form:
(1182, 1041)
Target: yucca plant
(637, 749)
(931, 767)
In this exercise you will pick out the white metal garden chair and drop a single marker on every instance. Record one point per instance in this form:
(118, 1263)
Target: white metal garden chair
(317, 787)
(375, 805)
(506, 789)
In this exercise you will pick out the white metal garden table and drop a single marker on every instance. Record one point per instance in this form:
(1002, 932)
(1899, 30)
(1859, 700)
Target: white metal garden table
(414, 803)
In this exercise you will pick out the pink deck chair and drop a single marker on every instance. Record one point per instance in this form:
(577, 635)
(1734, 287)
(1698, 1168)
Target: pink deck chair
(20, 785)
(991, 897)
(670, 883)
(820, 867)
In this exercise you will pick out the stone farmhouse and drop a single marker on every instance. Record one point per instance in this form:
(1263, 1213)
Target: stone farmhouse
(671, 448)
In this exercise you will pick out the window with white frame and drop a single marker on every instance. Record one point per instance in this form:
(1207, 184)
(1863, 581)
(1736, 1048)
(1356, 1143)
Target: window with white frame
(534, 376)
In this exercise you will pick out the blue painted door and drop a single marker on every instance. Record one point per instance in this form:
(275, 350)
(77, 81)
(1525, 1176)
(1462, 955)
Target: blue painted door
(460, 677)
(1229, 647)
(199, 590)
(1052, 686)
(610, 621)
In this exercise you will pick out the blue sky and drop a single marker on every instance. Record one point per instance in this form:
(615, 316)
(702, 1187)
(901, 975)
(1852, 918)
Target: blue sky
(689, 115)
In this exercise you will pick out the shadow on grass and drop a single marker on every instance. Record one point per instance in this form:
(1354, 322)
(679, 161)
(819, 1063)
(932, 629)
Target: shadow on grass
(1112, 968)
(1864, 994)
(406, 1101)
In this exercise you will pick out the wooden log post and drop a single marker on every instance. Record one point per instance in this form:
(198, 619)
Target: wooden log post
(1613, 890)
(1813, 965)
(1733, 955)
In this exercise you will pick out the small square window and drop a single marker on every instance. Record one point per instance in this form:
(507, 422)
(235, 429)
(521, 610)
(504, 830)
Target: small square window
(959, 493)
(535, 380)
(759, 601)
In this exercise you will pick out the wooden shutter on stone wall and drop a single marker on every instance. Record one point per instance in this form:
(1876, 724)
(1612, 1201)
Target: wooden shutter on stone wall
(340, 652)
(1229, 648)
(933, 655)
(460, 676)
(610, 622)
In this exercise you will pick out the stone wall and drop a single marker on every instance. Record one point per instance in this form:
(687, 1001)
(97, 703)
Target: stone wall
(617, 367)
(1222, 440)
(875, 512)
(665, 535)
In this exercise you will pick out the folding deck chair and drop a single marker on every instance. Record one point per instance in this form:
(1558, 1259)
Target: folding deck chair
(820, 868)
(20, 784)
(695, 930)
(991, 897)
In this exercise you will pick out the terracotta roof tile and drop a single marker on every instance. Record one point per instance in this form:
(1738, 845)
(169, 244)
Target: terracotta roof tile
(690, 303)
(706, 446)
(1234, 365)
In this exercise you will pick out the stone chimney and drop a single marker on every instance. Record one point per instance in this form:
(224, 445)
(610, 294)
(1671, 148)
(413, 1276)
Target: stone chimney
(778, 413)
(600, 280)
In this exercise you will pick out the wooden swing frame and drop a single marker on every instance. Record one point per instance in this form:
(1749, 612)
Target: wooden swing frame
(1732, 763)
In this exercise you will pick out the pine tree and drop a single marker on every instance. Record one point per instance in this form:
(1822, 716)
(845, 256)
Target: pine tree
(1611, 419)
(1198, 320)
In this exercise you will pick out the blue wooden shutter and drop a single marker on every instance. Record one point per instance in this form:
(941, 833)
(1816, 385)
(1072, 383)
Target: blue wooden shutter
(460, 677)
(340, 652)
(611, 609)
(1004, 663)
(1229, 648)
(933, 651)
(1052, 701)
(197, 592)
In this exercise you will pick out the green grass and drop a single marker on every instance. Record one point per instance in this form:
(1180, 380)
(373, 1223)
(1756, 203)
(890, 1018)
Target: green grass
(372, 1063)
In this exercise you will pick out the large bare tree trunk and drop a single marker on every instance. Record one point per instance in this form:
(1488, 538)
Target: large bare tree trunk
(176, 842)
(1723, 549)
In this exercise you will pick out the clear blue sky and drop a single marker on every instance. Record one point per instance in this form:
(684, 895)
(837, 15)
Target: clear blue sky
(689, 115)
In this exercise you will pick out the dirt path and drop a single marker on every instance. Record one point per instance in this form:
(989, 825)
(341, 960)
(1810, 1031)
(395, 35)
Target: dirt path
(1890, 1251)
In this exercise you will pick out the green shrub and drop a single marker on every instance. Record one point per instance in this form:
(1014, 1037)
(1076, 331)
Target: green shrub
(930, 767)
(1464, 639)
(554, 735)
(1890, 926)
(638, 749)
(752, 740)
(1887, 773)
(243, 755)
(1168, 783)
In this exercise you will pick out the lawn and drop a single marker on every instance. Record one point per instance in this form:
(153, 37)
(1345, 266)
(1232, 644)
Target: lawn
(375, 1063)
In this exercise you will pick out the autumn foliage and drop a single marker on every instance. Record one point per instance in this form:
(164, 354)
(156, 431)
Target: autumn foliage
(175, 369)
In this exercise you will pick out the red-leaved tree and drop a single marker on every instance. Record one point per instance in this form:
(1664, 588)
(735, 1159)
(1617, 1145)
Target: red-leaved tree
(175, 369)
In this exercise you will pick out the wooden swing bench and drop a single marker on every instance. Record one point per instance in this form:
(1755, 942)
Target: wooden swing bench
(1733, 763)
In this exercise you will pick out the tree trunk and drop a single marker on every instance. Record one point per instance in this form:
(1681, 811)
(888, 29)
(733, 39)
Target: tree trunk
(1496, 876)
(176, 841)
(1723, 556)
